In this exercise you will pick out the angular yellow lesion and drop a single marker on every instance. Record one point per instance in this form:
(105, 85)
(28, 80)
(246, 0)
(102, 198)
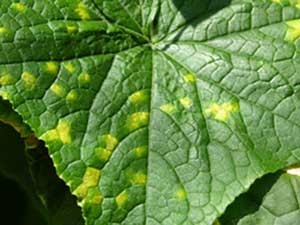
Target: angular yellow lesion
(167, 108)
(137, 120)
(58, 90)
(139, 96)
(72, 29)
(6, 79)
(293, 30)
(189, 78)
(52, 67)
(109, 143)
(94, 196)
(4, 30)
(82, 11)
(186, 102)
(140, 151)
(122, 198)
(139, 178)
(72, 96)
(90, 179)
(20, 7)
(28, 79)
(61, 133)
(180, 194)
(5, 95)
(84, 78)
(69, 67)
(221, 112)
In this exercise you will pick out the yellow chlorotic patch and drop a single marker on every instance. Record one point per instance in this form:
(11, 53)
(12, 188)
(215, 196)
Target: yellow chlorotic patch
(167, 108)
(18, 7)
(72, 29)
(60, 133)
(180, 194)
(6, 79)
(294, 171)
(69, 67)
(186, 102)
(72, 96)
(137, 120)
(3, 30)
(5, 95)
(221, 111)
(139, 178)
(57, 89)
(189, 78)
(139, 96)
(293, 30)
(82, 11)
(52, 67)
(28, 79)
(94, 196)
(140, 151)
(122, 198)
(109, 144)
(84, 78)
(90, 179)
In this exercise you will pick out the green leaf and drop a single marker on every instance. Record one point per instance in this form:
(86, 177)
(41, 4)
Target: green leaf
(280, 205)
(156, 112)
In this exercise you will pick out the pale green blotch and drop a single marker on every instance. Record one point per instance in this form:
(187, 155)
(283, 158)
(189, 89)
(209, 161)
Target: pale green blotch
(29, 80)
(221, 112)
(82, 11)
(109, 143)
(186, 102)
(58, 90)
(139, 96)
(6, 79)
(90, 179)
(167, 108)
(137, 120)
(122, 198)
(20, 7)
(138, 178)
(93, 196)
(61, 133)
(84, 78)
(52, 67)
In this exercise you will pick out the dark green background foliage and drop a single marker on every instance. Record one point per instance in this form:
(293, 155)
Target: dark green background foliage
(157, 112)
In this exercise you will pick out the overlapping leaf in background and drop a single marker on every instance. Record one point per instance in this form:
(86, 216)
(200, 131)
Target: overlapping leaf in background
(156, 112)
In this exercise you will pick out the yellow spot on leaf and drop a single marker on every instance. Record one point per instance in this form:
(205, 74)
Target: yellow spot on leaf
(6, 79)
(18, 7)
(190, 78)
(84, 78)
(186, 102)
(139, 178)
(137, 120)
(69, 67)
(5, 95)
(52, 67)
(293, 30)
(167, 108)
(94, 196)
(90, 179)
(72, 29)
(57, 89)
(221, 112)
(140, 151)
(180, 194)
(108, 144)
(122, 198)
(139, 96)
(82, 11)
(72, 96)
(60, 133)
(3, 30)
(29, 80)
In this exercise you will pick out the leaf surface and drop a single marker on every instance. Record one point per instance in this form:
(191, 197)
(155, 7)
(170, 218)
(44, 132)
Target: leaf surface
(156, 112)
